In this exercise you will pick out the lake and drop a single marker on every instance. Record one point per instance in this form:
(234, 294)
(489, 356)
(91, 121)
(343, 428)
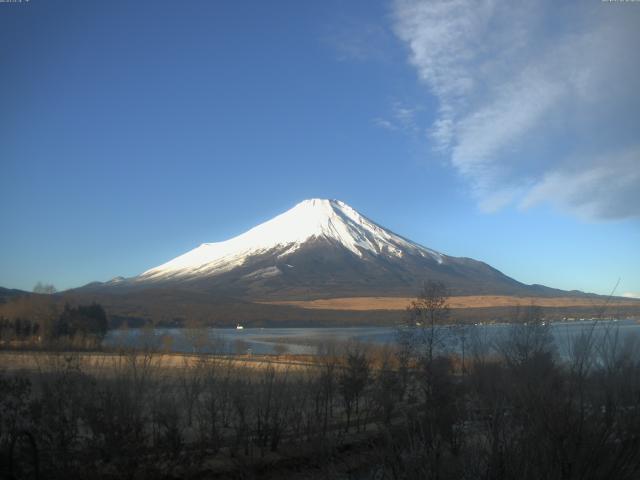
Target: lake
(313, 340)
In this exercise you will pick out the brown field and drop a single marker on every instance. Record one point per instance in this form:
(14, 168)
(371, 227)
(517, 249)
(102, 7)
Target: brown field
(471, 301)
(95, 362)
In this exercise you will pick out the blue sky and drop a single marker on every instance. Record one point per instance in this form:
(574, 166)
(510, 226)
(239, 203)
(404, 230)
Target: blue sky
(131, 132)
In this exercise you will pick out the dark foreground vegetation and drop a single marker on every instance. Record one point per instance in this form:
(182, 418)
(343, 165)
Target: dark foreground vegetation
(505, 409)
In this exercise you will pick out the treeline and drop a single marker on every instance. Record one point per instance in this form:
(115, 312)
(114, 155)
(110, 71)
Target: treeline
(41, 321)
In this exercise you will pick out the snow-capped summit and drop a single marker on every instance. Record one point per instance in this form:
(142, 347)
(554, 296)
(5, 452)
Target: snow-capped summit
(311, 220)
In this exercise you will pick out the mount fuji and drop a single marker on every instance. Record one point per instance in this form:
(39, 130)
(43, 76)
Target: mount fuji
(320, 249)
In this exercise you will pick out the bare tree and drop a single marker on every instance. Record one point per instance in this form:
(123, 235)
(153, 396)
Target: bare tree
(528, 337)
(388, 389)
(423, 336)
(44, 288)
(192, 384)
(428, 312)
(353, 380)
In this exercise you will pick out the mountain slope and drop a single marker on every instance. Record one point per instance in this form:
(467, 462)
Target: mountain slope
(8, 293)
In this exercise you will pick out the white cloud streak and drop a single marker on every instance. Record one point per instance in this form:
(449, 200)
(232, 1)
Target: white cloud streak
(401, 118)
(537, 100)
(384, 123)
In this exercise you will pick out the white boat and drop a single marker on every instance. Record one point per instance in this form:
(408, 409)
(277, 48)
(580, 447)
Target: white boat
(239, 327)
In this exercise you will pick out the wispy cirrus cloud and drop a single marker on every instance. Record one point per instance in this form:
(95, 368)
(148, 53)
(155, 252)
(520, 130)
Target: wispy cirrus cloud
(538, 101)
(361, 40)
(401, 117)
(384, 123)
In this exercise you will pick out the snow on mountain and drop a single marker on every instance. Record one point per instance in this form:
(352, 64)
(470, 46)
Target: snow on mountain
(331, 220)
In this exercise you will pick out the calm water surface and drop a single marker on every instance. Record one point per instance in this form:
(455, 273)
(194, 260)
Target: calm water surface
(313, 340)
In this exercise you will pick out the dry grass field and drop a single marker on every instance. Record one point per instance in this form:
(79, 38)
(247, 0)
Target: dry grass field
(471, 301)
(96, 362)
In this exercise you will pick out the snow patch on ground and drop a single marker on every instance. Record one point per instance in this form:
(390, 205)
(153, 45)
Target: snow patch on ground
(263, 273)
